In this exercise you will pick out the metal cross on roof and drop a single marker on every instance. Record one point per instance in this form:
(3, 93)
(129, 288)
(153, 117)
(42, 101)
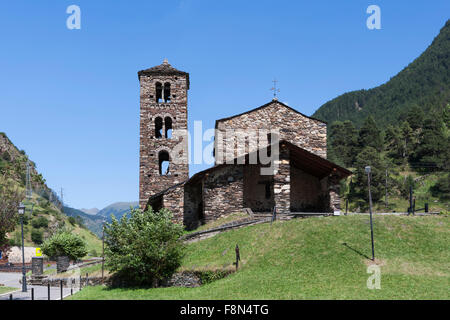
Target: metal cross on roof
(274, 89)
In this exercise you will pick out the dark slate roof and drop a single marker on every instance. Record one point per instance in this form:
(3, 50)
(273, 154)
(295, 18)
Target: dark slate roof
(164, 69)
(266, 105)
(308, 161)
(301, 158)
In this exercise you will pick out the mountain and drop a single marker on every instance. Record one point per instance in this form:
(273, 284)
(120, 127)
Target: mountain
(43, 214)
(92, 211)
(425, 83)
(117, 209)
(92, 222)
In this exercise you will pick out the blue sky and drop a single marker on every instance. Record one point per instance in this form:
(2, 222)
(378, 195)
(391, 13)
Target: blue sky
(70, 98)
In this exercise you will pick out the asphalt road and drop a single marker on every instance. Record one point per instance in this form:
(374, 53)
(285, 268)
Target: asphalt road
(40, 292)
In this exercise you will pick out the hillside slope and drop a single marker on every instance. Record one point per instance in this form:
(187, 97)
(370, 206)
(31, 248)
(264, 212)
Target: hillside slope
(425, 83)
(316, 258)
(118, 209)
(43, 210)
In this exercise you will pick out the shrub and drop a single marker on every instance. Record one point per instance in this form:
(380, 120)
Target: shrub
(40, 222)
(72, 221)
(144, 248)
(36, 236)
(64, 243)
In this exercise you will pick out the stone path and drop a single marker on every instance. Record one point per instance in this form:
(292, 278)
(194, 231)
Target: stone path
(40, 292)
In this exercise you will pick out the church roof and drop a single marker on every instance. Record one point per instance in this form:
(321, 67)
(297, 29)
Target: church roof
(164, 69)
(264, 106)
(300, 158)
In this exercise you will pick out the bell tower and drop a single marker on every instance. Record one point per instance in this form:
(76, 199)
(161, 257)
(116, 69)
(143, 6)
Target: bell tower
(163, 129)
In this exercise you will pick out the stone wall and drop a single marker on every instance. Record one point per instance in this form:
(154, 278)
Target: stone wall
(150, 180)
(282, 186)
(223, 192)
(305, 132)
(255, 193)
(193, 205)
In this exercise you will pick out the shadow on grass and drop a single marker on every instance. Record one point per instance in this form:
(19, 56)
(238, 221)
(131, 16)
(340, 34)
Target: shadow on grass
(354, 250)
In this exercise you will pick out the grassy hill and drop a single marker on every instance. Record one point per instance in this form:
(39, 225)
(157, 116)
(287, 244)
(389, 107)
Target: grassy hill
(317, 258)
(43, 210)
(425, 83)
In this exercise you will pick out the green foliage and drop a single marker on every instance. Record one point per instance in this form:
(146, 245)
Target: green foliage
(64, 243)
(370, 135)
(442, 187)
(37, 236)
(434, 147)
(359, 187)
(40, 222)
(344, 141)
(144, 248)
(72, 221)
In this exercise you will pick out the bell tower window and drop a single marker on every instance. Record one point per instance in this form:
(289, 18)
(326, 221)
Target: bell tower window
(168, 127)
(164, 163)
(158, 127)
(166, 91)
(159, 92)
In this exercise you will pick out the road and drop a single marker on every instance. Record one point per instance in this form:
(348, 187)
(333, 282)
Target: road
(40, 292)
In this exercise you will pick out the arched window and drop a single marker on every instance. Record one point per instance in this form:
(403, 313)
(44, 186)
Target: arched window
(159, 92)
(168, 127)
(158, 127)
(164, 163)
(167, 96)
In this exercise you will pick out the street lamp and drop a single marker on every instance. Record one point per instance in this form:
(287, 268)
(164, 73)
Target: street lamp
(21, 212)
(367, 169)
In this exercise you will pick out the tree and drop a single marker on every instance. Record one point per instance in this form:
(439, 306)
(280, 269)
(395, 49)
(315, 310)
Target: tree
(10, 197)
(370, 135)
(65, 243)
(433, 149)
(343, 141)
(144, 248)
(36, 236)
(415, 117)
(359, 190)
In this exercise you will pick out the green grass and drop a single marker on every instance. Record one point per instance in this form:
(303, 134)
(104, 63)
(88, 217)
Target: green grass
(4, 290)
(307, 259)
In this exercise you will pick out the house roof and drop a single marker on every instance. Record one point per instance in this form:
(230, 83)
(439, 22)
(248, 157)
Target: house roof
(164, 69)
(264, 106)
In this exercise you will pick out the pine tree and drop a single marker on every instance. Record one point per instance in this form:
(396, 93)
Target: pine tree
(434, 145)
(343, 141)
(370, 135)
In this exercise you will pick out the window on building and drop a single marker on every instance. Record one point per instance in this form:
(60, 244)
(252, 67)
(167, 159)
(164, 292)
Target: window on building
(168, 127)
(167, 96)
(164, 163)
(159, 92)
(158, 127)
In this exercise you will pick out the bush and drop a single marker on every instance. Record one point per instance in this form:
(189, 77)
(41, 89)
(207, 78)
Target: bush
(64, 243)
(72, 221)
(442, 188)
(36, 236)
(144, 248)
(40, 222)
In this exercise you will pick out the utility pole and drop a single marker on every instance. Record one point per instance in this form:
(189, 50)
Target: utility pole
(367, 169)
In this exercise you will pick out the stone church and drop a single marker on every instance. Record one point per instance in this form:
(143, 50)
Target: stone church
(303, 179)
